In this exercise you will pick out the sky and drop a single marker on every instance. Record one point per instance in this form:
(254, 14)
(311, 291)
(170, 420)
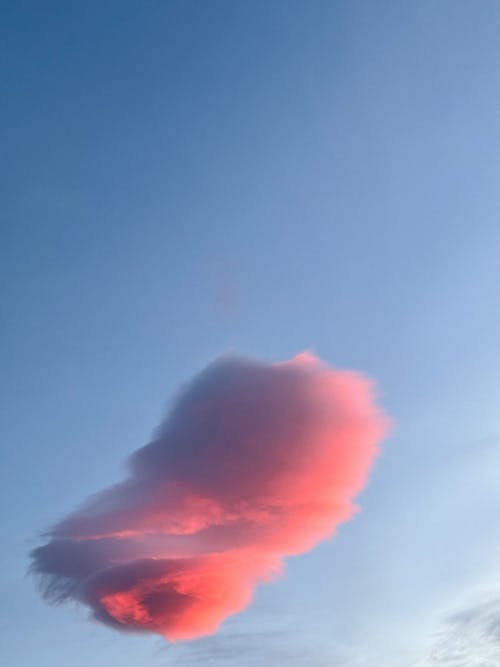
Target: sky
(186, 179)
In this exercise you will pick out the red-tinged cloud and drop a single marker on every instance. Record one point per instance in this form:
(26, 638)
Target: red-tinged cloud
(255, 462)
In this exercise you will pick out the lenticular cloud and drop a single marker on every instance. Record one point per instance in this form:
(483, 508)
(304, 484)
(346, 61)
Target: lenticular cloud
(253, 463)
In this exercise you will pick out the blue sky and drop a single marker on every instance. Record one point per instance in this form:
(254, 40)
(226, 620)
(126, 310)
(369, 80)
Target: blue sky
(184, 178)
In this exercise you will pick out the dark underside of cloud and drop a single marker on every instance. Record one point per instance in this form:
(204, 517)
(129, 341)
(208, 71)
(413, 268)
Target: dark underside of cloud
(253, 463)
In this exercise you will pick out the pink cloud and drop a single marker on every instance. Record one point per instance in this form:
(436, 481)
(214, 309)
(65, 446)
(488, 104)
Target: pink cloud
(255, 462)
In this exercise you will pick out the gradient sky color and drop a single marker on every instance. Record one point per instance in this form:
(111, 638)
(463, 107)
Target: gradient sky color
(185, 178)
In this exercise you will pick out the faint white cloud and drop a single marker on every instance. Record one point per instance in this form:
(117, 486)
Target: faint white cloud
(469, 638)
